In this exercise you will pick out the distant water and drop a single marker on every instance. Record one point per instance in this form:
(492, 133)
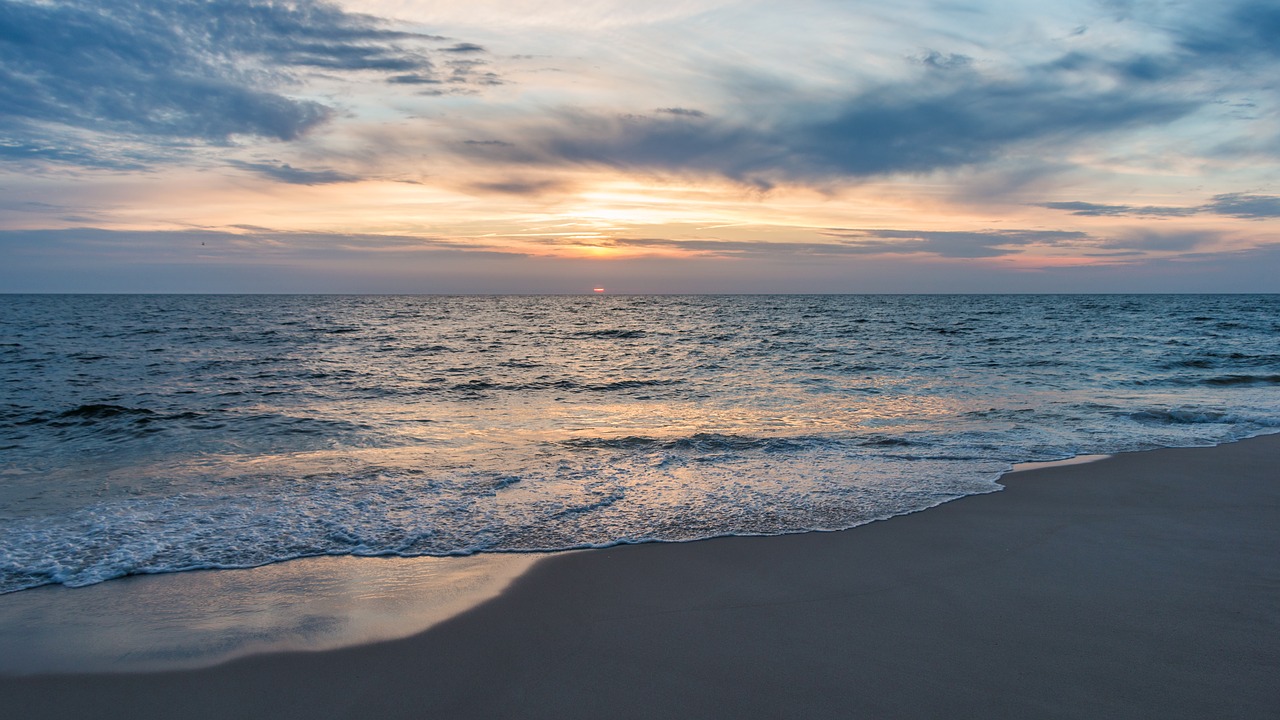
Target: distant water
(143, 434)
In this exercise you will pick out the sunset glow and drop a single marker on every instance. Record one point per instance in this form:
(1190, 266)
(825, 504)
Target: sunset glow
(828, 147)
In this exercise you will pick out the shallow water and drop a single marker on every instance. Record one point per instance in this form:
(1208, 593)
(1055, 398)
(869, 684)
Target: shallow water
(200, 619)
(147, 434)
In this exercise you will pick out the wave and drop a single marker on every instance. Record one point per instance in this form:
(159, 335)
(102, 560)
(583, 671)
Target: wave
(698, 442)
(247, 430)
(479, 385)
(1227, 380)
(614, 334)
(628, 385)
(87, 427)
(888, 441)
(1216, 381)
(103, 411)
(1180, 417)
(1207, 361)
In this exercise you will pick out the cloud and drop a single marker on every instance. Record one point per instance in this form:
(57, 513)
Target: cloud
(953, 244)
(847, 241)
(683, 112)
(733, 248)
(531, 188)
(265, 260)
(1240, 205)
(35, 145)
(286, 173)
(1237, 205)
(948, 115)
(970, 119)
(471, 72)
(415, 80)
(940, 61)
(1148, 240)
(1247, 29)
(254, 243)
(946, 111)
(178, 71)
(1088, 209)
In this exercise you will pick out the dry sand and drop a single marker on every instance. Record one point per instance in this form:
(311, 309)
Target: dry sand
(1143, 585)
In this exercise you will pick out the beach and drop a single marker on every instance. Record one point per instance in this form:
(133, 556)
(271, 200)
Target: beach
(1141, 585)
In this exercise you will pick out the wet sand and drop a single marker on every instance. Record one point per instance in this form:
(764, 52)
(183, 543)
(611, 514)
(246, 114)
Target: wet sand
(1141, 585)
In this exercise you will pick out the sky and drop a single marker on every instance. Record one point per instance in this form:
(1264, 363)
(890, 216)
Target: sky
(707, 146)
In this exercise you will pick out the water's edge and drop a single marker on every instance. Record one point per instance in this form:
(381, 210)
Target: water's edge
(201, 618)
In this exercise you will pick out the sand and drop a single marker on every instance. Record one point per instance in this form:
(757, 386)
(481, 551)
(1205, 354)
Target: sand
(1142, 585)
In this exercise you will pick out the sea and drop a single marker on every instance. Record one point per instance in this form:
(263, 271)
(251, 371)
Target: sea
(162, 433)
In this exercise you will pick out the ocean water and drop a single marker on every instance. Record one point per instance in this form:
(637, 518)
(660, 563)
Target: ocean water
(146, 434)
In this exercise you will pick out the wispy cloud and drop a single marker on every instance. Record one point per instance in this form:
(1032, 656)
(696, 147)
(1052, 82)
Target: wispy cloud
(464, 48)
(947, 116)
(1241, 205)
(180, 70)
(954, 244)
(847, 241)
(253, 243)
(1237, 205)
(941, 111)
(531, 188)
(286, 173)
(1088, 209)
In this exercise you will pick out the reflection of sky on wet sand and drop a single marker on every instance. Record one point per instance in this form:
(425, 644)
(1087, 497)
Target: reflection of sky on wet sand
(1077, 460)
(197, 619)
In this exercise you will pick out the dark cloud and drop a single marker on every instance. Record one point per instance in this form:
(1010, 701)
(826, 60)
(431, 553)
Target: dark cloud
(464, 48)
(971, 120)
(683, 112)
(946, 117)
(415, 80)
(1238, 205)
(178, 70)
(286, 173)
(1097, 210)
(1247, 29)
(950, 113)
(518, 187)
(945, 61)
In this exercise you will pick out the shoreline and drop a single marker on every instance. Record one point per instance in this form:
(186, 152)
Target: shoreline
(1143, 583)
(202, 618)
